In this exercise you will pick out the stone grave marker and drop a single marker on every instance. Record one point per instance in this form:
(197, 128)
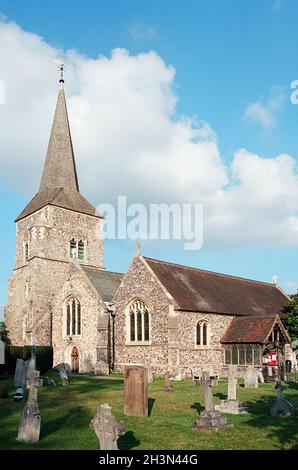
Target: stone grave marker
(107, 428)
(251, 377)
(281, 407)
(20, 375)
(209, 419)
(231, 405)
(63, 375)
(136, 391)
(29, 426)
(168, 386)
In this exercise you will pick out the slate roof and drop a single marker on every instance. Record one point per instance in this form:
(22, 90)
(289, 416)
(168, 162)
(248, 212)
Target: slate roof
(105, 282)
(252, 330)
(60, 167)
(204, 291)
(61, 197)
(59, 183)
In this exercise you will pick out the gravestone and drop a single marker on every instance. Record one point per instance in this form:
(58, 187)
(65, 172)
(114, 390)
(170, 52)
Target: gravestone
(281, 407)
(149, 369)
(63, 375)
(65, 366)
(261, 376)
(209, 419)
(31, 363)
(107, 428)
(251, 377)
(136, 391)
(29, 426)
(2, 352)
(283, 375)
(48, 382)
(20, 375)
(231, 405)
(168, 386)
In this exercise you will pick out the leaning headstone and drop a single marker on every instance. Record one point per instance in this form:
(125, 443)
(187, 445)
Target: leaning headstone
(20, 375)
(251, 377)
(209, 419)
(107, 428)
(168, 386)
(65, 366)
(136, 391)
(231, 405)
(2, 352)
(281, 407)
(29, 426)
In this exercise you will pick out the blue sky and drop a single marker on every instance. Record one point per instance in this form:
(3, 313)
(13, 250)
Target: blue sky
(234, 63)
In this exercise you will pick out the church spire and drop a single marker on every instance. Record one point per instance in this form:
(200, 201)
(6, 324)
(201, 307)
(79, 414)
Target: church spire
(60, 168)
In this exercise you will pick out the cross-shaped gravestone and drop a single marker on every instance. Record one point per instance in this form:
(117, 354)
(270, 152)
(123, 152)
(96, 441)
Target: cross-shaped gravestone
(106, 428)
(232, 383)
(29, 426)
(209, 419)
(206, 383)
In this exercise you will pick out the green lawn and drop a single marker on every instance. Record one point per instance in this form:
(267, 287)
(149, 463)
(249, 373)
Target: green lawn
(67, 411)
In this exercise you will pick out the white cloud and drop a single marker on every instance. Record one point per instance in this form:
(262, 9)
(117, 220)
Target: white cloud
(265, 112)
(129, 140)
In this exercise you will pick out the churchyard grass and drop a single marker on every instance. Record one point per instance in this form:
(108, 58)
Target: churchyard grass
(66, 413)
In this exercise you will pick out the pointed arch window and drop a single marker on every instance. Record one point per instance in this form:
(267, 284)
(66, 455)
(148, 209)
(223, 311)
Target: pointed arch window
(202, 333)
(139, 322)
(73, 317)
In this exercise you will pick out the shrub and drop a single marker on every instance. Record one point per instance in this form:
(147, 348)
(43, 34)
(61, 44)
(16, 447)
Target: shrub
(44, 358)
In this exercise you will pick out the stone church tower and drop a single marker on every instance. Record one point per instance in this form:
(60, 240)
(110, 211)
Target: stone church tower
(58, 229)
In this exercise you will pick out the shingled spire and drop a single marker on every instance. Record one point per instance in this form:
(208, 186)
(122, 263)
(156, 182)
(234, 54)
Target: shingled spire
(60, 168)
(59, 183)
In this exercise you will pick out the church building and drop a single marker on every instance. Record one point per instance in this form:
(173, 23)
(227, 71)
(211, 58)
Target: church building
(178, 318)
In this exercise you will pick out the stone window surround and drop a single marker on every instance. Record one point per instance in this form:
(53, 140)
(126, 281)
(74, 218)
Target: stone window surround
(25, 252)
(201, 323)
(128, 342)
(77, 241)
(64, 325)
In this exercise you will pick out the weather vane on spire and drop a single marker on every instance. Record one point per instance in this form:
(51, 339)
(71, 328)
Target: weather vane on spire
(61, 70)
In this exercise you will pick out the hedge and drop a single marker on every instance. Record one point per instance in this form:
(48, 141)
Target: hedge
(44, 358)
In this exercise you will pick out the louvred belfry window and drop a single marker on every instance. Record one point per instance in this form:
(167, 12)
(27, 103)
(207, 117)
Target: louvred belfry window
(139, 322)
(77, 250)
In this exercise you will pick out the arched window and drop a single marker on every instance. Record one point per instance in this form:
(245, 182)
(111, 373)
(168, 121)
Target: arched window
(73, 317)
(77, 250)
(139, 322)
(202, 333)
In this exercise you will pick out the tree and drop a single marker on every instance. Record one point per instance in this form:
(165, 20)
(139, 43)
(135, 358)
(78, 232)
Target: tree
(4, 333)
(291, 317)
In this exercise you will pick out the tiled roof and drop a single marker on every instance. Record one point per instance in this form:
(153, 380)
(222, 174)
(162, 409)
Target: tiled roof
(205, 291)
(105, 282)
(252, 330)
